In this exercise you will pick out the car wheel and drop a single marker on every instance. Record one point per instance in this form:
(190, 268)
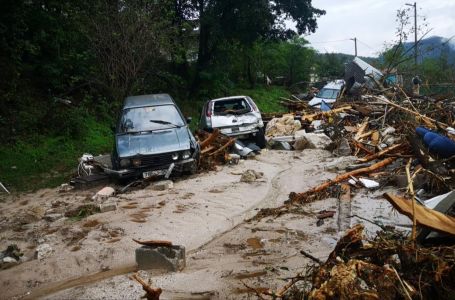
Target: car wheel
(260, 138)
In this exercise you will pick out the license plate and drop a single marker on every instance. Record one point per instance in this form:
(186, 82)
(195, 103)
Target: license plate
(234, 129)
(154, 173)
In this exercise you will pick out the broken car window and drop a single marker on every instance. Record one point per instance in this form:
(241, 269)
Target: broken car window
(231, 106)
(328, 93)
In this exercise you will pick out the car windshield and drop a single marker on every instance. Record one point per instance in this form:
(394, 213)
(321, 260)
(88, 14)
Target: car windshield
(231, 106)
(328, 93)
(150, 118)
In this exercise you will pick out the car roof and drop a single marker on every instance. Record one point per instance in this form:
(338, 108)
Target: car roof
(228, 98)
(147, 100)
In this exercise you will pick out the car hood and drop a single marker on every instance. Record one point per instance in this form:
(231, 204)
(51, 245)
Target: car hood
(317, 101)
(235, 120)
(153, 142)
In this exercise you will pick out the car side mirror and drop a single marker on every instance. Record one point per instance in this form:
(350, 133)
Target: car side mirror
(189, 119)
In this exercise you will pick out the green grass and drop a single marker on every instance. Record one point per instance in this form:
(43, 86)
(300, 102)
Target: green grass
(48, 161)
(45, 161)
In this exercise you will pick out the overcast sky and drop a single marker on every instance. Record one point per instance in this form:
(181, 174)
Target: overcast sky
(373, 23)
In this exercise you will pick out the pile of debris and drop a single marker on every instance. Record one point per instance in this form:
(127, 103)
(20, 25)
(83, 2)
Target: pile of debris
(398, 139)
(215, 149)
(388, 266)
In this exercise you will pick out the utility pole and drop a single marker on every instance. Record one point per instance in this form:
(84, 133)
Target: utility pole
(415, 32)
(355, 45)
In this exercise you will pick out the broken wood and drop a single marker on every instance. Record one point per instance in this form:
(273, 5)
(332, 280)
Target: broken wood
(154, 243)
(325, 214)
(301, 197)
(151, 293)
(210, 138)
(424, 216)
(388, 150)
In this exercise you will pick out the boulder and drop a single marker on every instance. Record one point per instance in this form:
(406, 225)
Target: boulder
(312, 140)
(162, 185)
(251, 176)
(43, 251)
(104, 193)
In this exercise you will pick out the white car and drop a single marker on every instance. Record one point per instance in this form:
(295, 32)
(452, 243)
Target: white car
(236, 116)
(329, 93)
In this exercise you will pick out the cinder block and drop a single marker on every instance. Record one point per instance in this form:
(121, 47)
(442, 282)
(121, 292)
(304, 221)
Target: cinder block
(161, 257)
(109, 206)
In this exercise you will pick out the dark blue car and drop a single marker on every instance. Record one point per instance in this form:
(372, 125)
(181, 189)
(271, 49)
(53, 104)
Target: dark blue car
(152, 138)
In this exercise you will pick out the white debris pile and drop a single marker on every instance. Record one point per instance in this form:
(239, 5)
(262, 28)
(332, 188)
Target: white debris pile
(283, 126)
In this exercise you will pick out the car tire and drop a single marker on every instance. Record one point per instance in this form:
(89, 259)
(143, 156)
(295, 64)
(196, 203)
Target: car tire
(260, 138)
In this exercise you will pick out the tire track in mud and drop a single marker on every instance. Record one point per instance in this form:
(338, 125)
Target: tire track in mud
(269, 200)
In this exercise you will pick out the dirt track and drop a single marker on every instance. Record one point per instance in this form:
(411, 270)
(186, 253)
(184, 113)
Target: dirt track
(204, 213)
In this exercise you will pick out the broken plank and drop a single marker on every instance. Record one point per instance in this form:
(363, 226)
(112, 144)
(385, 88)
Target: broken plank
(424, 216)
(154, 243)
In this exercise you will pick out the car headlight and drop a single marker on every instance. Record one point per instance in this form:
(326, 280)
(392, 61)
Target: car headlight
(186, 154)
(136, 162)
(124, 163)
(175, 156)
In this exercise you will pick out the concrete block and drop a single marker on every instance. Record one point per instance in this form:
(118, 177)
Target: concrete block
(104, 193)
(162, 185)
(161, 257)
(108, 206)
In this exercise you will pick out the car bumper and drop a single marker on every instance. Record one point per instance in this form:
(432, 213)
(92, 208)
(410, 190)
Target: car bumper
(179, 166)
(229, 132)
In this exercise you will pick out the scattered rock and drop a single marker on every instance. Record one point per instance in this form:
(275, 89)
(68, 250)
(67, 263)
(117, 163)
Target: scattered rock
(8, 262)
(251, 176)
(53, 217)
(104, 193)
(65, 187)
(108, 206)
(162, 185)
(43, 251)
(313, 140)
(343, 148)
(233, 159)
(279, 145)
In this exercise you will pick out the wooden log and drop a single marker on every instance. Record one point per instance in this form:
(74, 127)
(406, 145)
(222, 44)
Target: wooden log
(325, 113)
(151, 293)
(154, 243)
(294, 197)
(381, 153)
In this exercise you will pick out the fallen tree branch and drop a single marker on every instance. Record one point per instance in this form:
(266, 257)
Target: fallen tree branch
(151, 293)
(381, 153)
(302, 197)
(306, 254)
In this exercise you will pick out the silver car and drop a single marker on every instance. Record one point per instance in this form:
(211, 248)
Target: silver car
(236, 116)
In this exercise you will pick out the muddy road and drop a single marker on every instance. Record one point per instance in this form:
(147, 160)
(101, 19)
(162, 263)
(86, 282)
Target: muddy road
(91, 256)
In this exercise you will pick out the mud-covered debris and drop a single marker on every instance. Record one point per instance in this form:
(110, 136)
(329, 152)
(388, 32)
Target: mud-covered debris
(151, 292)
(251, 176)
(43, 251)
(10, 257)
(162, 185)
(108, 206)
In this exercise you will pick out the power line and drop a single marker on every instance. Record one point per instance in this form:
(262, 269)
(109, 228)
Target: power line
(326, 42)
